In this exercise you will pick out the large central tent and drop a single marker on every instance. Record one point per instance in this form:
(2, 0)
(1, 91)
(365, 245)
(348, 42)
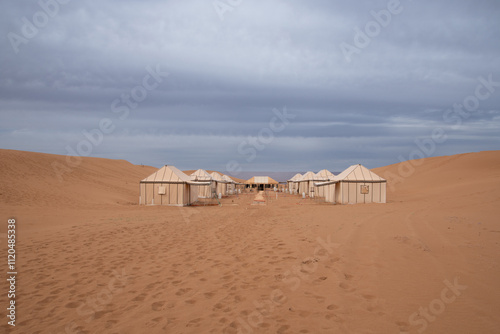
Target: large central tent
(262, 182)
(169, 186)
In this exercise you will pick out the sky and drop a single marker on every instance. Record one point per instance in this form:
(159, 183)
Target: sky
(239, 85)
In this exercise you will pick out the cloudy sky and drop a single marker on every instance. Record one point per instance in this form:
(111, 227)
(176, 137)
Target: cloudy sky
(252, 85)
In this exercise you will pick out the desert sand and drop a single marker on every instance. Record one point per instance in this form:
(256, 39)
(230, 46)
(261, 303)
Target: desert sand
(90, 260)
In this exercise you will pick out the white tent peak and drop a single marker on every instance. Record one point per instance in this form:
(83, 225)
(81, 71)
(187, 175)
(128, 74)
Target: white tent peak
(296, 177)
(201, 175)
(217, 177)
(228, 179)
(325, 175)
(309, 176)
(168, 174)
(358, 173)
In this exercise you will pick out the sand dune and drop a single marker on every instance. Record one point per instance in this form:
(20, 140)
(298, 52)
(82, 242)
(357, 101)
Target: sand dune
(92, 261)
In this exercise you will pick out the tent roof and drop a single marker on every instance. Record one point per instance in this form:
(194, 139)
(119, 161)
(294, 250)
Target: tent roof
(325, 175)
(168, 174)
(217, 177)
(296, 177)
(228, 179)
(355, 173)
(201, 175)
(262, 180)
(309, 176)
(358, 173)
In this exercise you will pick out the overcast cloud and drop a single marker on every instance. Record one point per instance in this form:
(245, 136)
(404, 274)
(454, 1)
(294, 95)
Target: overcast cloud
(351, 98)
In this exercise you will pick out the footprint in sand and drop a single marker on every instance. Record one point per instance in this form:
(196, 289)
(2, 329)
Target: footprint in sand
(154, 322)
(194, 323)
(158, 306)
(182, 292)
(72, 305)
(283, 329)
(347, 287)
(110, 323)
(404, 327)
(140, 298)
(332, 307)
(209, 295)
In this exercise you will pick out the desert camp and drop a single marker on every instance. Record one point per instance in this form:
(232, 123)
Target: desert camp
(170, 186)
(250, 167)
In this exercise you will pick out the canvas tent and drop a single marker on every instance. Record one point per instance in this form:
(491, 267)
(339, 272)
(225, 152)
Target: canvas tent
(306, 184)
(356, 184)
(220, 184)
(169, 186)
(262, 182)
(230, 185)
(292, 185)
(205, 191)
(322, 176)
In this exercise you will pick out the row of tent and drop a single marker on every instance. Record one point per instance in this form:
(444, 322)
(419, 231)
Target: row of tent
(171, 186)
(356, 184)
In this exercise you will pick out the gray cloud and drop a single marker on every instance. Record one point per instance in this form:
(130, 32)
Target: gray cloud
(226, 77)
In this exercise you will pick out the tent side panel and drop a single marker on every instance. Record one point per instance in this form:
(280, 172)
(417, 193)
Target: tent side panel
(194, 193)
(142, 193)
(172, 194)
(352, 193)
(149, 193)
(375, 192)
(383, 192)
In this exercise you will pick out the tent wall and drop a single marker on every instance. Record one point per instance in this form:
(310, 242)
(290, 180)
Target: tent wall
(176, 194)
(230, 188)
(320, 191)
(221, 189)
(361, 192)
(305, 187)
(203, 191)
(329, 192)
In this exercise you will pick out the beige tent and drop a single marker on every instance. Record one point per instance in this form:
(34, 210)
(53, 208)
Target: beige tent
(220, 184)
(262, 182)
(201, 175)
(168, 186)
(292, 185)
(322, 176)
(356, 184)
(230, 185)
(306, 183)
